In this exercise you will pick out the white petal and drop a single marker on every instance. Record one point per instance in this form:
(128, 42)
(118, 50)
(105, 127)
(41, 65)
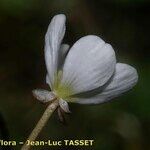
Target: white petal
(124, 79)
(63, 52)
(64, 49)
(43, 95)
(47, 80)
(64, 105)
(89, 64)
(53, 39)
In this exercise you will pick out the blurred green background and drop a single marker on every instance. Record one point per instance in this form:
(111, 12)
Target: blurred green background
(123, 124)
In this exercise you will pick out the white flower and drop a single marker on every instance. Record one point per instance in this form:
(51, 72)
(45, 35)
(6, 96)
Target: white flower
(87, 73)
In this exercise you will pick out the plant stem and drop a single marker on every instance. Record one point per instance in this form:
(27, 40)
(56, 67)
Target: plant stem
(43, 120)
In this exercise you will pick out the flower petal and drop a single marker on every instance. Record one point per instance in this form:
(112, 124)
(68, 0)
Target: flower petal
(43, 95)
(47, 80)
(64, 49)
(63, 52)
(62, 55)
(89, 64)
(64, 105)
(53, 39)
(124, 79)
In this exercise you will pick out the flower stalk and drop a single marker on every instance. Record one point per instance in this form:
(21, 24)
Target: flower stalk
(43, 120)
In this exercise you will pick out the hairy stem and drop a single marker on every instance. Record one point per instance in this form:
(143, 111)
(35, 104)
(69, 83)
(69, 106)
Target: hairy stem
(43, 120)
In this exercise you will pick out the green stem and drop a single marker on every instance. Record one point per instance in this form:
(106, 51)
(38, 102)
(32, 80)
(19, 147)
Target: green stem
(43, 120)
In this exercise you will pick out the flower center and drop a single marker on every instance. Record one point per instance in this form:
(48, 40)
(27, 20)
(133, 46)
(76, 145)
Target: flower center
(62, 90)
